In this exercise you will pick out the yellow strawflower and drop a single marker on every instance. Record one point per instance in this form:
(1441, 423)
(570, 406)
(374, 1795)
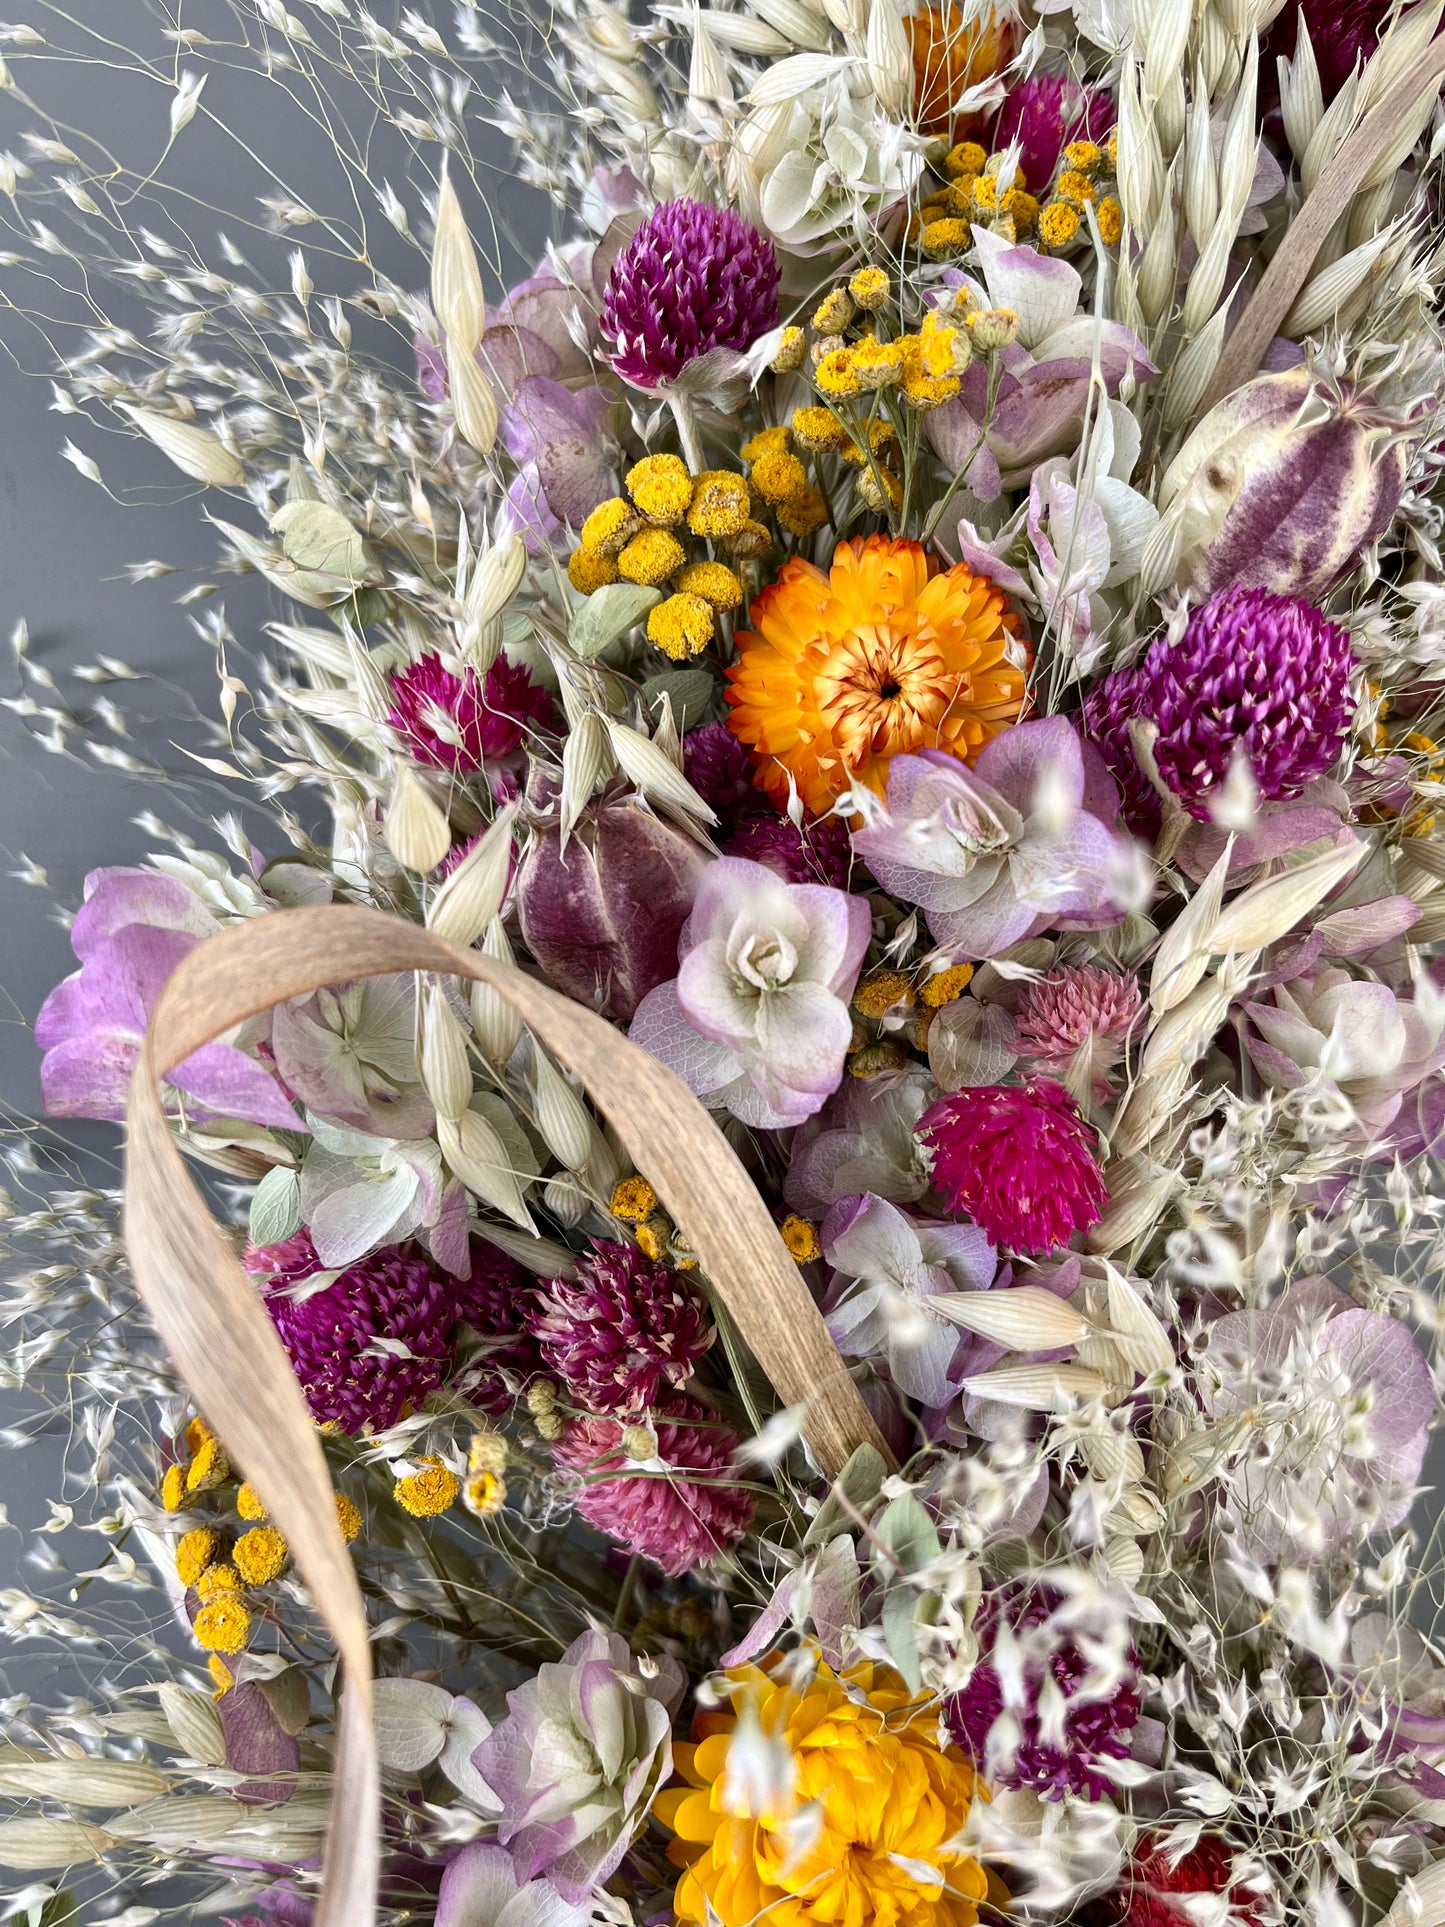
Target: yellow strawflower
(859, 1825)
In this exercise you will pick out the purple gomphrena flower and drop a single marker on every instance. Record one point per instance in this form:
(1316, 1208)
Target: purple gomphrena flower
(677, 1520)
(719, 768)
(1044, 112)
(1265, 675)
(1018, 1160)
(1056, 1751)
(818, 851)
(494, 1303)
(693, 278)
(331, 1335)
(622, 1331)
(460, 722)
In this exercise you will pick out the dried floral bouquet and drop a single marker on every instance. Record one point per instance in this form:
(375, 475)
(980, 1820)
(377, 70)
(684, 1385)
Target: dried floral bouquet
(819, 1051)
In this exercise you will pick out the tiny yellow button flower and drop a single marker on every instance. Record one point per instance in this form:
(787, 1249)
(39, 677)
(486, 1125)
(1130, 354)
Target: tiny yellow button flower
(347, 1517)
(720, 504)
(249, 1504)
(223, 1624)
(173, 1488)
(801, 1238)
(818, 429)
(682, 626)
(427, 1493)
(610, 527)
(651, 557)
(194, 1552)
(588, 571)
(869, 288)
(945, 985)
(260, 1555)
(661, 487)
(633, 1200)
(714, 582)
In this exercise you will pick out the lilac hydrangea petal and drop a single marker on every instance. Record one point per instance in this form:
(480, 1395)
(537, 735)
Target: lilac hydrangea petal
(89, 1076)
(476, 1887)
(1032, 760)
(231, 1084)
(116, 898)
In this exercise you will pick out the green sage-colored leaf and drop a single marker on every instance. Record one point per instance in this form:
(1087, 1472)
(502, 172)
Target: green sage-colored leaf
(859, 1483)
(607, 615)
(275, 1207)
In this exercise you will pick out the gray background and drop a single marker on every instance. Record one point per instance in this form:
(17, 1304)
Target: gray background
(65, 544)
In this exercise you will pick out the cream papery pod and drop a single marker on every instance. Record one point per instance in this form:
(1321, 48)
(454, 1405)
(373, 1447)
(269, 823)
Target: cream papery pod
(587, 760)
(543, 1257)
(1168, 36)
(1421, 1901)
(226, 1349)
(1327, 292)
(1038, 1388)
(560, 1114)
(446, 1073)
(456, 280)
(1184, 954)
(1024, 1318)
(33, 1846)
(495, 1024)
(1193, 369)
(1112, 1455)
(1139, 1189)
(495, 578)
(789, 79)
(1141, 160)
(417, 832)
(474, 406)
(473, 1147)
(82, 1782)
(1125, 1559)
(708, 86)
(1134, 1328)
(473, 893)
(194, 1722)
(743, 34)
(1398, 50)
(1177, 1039)
(803, 26)
(890, 62)
(654, 774)
(1267, 911)
(1201, 179)
(1301, 98)
(196, 451)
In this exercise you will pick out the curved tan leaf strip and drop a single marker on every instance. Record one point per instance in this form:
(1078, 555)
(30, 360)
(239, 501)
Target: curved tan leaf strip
(1295, 256)
(212, 1321)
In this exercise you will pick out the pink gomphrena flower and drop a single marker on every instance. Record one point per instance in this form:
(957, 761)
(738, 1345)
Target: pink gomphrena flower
(1164, 1888)
(1076, 1021)
(677, 1507)
(1018, 1160)
(1041, 114)
(460, 723)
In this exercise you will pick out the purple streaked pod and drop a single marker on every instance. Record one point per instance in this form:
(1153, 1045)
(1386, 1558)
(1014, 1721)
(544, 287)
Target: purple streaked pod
(1284, 485)
(602, 917)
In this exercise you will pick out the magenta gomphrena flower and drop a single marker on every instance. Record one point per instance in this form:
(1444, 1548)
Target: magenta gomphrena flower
(459, 723)
(623, 1331)
(1016, 1159)
(677, 1506)
(817, 851)
(1044, 112)
(693, 278)
(331, 1335)
(494, 1303)
(1055, 1750)
(1264, 674)
(719, 768)
(1079, 1016)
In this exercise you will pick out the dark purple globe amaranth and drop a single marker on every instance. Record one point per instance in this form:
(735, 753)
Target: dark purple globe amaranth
(494, 1303)
(693, 278)
(1262, 673)
(331, 1335)
(625, 1330)
(1097, 1725)
(459, 723)
(719, 767)
(817, 851)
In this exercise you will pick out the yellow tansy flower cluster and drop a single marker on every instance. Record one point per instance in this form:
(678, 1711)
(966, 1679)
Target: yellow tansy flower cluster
(1082, 182)
(219, 1573)
(885, 1807)
(428, 1492)
(944, 223)
(642, 538)
(801, 1238)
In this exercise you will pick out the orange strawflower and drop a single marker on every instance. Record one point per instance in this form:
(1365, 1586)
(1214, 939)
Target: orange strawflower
(949, 55)
(841, 1810)
(886, 654)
